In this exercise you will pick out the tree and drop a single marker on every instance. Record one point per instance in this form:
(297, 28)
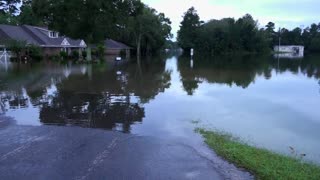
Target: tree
(189, 27)
(78, 19)
(17, 47)
(6, 18)
(8, 10)
(27, 16)
(229, 35)
(9, 6)
(315, 44)
(271, 34)
(147, 30)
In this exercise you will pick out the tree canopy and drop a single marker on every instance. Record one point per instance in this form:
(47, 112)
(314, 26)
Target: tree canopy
(229, 35)
(189, 29)
(128, 21)
(9, 6)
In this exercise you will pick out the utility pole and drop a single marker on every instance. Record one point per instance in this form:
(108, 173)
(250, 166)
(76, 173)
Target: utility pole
(279, 39)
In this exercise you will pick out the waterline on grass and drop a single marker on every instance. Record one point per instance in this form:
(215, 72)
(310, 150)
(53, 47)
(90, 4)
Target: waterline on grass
(264, 164)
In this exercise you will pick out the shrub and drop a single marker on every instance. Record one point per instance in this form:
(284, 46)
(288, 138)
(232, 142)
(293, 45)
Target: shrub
(94, 52)
(63, 55)
(123, 53)
(84, 54)
(17, 47)
(54, 57)
(75, 55)
(35, 53)
(100, 50)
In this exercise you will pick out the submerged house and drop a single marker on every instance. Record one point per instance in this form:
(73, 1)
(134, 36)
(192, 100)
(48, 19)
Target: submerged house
(297, 51)
(116, 48)
(49, 41)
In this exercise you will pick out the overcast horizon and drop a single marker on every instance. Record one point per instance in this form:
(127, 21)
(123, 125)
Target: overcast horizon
(284, 13)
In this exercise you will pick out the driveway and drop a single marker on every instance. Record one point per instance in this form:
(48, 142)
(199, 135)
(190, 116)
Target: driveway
(50, 152)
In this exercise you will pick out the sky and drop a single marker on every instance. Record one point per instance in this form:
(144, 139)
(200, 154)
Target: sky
(284, 13)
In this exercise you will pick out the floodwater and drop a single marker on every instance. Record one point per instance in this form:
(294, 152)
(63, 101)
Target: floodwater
(267, 102)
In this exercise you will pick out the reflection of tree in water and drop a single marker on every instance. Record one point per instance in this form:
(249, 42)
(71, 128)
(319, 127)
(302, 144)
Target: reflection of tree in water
(240, 71)
(108, 99)
(310, 66)
(148, 79)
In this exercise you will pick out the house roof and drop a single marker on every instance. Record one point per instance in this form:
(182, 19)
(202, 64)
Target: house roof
(37, 36)
(112, 44)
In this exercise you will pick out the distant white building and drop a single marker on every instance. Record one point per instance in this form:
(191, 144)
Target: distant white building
(297, 51)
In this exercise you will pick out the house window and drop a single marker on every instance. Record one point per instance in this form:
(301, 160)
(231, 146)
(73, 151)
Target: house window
(53, 34)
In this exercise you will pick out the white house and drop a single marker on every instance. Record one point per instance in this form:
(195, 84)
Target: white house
(295, 50)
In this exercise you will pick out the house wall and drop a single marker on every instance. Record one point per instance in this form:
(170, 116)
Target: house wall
(113, 51)
(117, 52)
(288, 49)
(56, 51)
(296, 51)
(51, 51)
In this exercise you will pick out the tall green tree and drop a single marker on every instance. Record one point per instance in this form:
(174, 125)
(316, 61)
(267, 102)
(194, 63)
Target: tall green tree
(271, 34)
(91, 20)
(229, 35)
(9, 6)
(146, 30)
(27, 16)
(187, 35)
(8, 11)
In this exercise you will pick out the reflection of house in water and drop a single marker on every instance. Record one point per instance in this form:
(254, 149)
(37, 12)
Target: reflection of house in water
(104, 111)
(289, 51)
(105, 96)
(4, 58)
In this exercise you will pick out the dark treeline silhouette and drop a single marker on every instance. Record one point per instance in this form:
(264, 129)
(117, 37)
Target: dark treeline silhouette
(243, 35)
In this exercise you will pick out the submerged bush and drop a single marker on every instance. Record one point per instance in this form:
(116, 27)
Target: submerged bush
(84, 54)
(35, 53)
(75, 55)
(63, 55)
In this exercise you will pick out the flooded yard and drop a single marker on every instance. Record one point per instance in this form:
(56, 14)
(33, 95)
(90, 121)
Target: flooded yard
(268, 102)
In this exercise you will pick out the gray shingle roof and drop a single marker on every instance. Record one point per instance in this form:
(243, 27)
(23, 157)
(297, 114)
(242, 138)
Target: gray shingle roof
(36, 36)
(111, 44)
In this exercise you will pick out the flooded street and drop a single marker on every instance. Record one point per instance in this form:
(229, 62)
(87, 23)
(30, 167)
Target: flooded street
(267, 102)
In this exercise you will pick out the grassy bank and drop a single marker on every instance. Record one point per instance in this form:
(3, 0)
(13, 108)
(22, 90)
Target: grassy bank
(260, 162)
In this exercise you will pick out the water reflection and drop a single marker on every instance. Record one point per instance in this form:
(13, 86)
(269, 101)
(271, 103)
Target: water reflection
(97, 97)
(274, 102)
(289, 55)
(240, 71)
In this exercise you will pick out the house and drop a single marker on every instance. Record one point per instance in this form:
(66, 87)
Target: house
(294, 50)
(116, 48)
(50, 41)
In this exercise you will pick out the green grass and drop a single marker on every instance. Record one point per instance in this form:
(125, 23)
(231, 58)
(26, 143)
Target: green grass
(262, 163)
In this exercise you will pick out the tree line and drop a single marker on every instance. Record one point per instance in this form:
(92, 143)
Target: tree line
(129, 21)
(309, 36)
(230, 35)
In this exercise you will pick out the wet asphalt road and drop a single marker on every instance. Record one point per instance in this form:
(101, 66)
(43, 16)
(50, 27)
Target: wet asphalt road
(49, 152)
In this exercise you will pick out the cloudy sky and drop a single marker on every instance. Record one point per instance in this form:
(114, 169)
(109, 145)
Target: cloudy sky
(285, 13)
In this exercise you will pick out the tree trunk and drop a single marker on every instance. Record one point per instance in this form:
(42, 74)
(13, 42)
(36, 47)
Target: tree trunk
(139, 47)
(89, 57)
